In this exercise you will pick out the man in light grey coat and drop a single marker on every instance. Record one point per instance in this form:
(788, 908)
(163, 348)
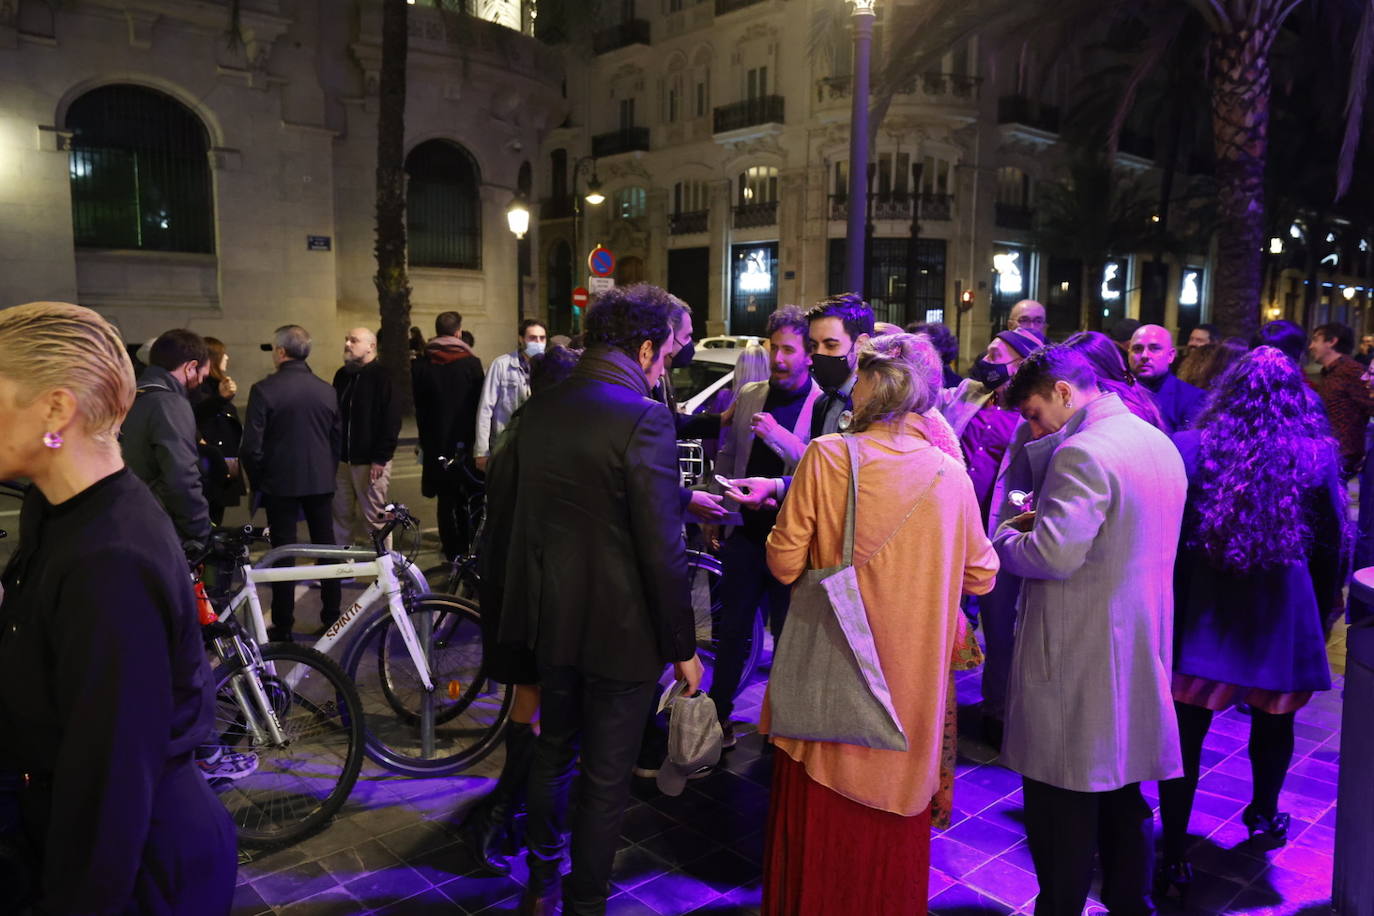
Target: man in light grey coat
(1089, 710)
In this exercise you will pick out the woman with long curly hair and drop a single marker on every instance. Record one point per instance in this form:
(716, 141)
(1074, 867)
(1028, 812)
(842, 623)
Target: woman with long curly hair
(1260, 563)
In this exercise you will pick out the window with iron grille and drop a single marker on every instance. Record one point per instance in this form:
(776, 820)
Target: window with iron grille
(630, 203)
(140, 172)
(443, 209)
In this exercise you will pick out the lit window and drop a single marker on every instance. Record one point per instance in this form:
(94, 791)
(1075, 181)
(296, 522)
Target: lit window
(1009, 277)
(1189, 293)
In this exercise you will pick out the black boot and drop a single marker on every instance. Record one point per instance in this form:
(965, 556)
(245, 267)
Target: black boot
(487, 822)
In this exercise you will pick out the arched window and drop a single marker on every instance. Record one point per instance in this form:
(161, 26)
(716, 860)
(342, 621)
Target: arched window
(630, 203)
(758, 185)
(140, 173)
(443, 209)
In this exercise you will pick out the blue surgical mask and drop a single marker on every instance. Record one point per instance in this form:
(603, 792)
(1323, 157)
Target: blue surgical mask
(534, 347)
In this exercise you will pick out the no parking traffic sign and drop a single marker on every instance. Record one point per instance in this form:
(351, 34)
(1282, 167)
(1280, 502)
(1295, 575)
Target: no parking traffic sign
(601, 262)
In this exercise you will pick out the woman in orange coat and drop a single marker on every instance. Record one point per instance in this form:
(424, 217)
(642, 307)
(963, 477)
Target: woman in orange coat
(849, 826)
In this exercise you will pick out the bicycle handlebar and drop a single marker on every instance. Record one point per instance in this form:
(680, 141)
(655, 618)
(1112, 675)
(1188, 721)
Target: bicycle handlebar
(397, 516)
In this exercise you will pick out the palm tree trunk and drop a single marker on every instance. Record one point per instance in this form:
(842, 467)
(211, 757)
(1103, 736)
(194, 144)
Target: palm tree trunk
(393, 285)
(1240, 125)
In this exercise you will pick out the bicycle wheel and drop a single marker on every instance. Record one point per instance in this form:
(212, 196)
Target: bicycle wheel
(466, 711)
(278, 793)
(704, 572)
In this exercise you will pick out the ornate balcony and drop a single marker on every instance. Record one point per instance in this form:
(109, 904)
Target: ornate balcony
(756, 216)
(932, 88)
(765, 109)
(625, 140)
(688, 222)
(934, 207)
(622, 35)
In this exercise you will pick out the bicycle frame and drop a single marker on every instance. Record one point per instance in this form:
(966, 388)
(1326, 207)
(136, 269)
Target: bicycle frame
(357, 562)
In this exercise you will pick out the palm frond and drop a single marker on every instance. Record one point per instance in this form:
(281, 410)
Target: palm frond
(1363, 56)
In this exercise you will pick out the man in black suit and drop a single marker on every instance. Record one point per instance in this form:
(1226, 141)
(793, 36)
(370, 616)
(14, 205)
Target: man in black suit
(290, 451)
(597, 584)
(447, 379)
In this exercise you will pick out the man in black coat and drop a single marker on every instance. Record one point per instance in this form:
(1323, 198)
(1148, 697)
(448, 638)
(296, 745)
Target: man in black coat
(597, 584)
(158, 438)
(371, 424)
(290, 450)
(447, 379)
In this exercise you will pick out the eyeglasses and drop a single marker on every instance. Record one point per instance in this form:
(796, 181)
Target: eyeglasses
(1024, 320)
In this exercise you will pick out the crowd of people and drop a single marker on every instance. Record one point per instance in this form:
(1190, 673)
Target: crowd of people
(1142, 539)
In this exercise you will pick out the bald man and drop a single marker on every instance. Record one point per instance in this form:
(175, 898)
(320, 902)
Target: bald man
(1151, 353)
(371, 420)
(1028, 315)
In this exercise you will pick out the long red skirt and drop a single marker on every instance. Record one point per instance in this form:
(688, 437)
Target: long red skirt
(826, 855)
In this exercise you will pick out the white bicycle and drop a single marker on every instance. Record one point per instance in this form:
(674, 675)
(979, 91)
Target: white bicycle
(416, 658)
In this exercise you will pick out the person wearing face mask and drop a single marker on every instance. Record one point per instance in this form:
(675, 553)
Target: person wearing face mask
(1089, 709)
(506, 387)
(158, 438)
(596, 584)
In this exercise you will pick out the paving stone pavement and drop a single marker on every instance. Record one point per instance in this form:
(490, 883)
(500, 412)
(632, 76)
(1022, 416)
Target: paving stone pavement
(393, 849)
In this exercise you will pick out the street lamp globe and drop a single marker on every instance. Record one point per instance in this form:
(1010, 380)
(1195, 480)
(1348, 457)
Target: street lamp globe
(518, 217)
(594, 195)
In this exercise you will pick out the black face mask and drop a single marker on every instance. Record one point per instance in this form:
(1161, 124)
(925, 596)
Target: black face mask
(990, 375)
(830, 372)
(683, 358)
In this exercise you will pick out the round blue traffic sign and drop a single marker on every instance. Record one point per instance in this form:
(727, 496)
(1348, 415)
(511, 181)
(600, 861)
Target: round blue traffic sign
(601, 262)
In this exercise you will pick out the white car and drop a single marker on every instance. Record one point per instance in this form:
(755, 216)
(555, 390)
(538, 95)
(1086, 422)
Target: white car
(712, 369)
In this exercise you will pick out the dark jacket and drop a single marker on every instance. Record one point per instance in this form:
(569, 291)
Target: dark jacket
(221, 430)
(158, 440)
(596, 560)
(1179, 403)
(104, 696)
(1261, 628)
(1349, 406)
(447, 380)
(291, 433)
(370, 415)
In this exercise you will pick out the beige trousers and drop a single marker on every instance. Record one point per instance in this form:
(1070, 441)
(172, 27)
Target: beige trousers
(354, 490)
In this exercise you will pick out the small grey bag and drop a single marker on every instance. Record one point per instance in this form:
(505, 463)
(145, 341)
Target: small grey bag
(827, 683)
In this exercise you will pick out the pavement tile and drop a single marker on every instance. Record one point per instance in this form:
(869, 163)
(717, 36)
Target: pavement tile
(416, 838)
(724, 869)
(475, 893)
(1226, 863)
(296, 883)
(965, 901)
(248, 902)
(643, 821)
(431, 901)
(384, 885)
(1219, 783)
(336, 901)
(676, 892)
(1210, 893)
(1005, 882)
(1316, 769)
(1309, 787)
(635, 865)
(994, 778)
(982, 834)
(954, 858)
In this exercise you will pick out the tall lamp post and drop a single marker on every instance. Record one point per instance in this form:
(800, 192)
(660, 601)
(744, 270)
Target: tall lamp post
(593, 197)
(858, 147)
(518, 219)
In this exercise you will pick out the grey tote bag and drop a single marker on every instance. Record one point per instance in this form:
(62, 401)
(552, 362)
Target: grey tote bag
(827, 683)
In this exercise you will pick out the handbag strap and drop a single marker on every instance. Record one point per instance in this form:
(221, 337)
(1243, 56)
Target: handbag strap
(852, 501)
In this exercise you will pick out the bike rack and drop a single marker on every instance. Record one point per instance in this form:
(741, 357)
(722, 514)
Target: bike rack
(276, 555)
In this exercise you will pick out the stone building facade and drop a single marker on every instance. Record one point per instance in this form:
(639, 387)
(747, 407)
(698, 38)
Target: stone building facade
(256, 206)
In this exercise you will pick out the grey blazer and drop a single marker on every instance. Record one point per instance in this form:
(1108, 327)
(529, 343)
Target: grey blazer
(1088, 704)
(734, 455)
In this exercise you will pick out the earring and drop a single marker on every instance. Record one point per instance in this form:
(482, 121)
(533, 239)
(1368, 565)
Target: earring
(52, 439)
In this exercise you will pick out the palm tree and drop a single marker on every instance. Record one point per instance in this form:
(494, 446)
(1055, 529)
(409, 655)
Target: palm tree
(392, 281)
(1091, 215)
(1240, 37)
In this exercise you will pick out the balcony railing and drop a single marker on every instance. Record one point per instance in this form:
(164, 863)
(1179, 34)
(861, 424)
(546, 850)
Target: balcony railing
(729, 6)
(688, 222)
(756, 216)
(630, 32)
(625, 140)
(945, 88)
(934, 207)
(556, 207)
(1017, 109)
(765, 109)
(1014, 216)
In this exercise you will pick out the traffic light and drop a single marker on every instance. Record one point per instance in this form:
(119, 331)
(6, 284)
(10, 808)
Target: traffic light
(966, 300)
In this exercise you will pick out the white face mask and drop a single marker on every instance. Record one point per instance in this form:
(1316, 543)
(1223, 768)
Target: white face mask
(534, 348)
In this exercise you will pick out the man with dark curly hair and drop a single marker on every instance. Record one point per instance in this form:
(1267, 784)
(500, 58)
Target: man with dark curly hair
(597, 584)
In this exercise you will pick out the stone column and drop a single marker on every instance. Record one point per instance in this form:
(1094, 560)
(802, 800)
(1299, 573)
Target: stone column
(718, 229)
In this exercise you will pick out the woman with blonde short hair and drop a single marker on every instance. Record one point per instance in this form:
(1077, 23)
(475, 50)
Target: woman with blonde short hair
(849, 826)
(104, 688)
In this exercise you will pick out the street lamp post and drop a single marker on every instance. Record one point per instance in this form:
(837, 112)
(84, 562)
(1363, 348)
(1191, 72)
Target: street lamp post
(858, 146)
(593, 197)
(518, 220)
